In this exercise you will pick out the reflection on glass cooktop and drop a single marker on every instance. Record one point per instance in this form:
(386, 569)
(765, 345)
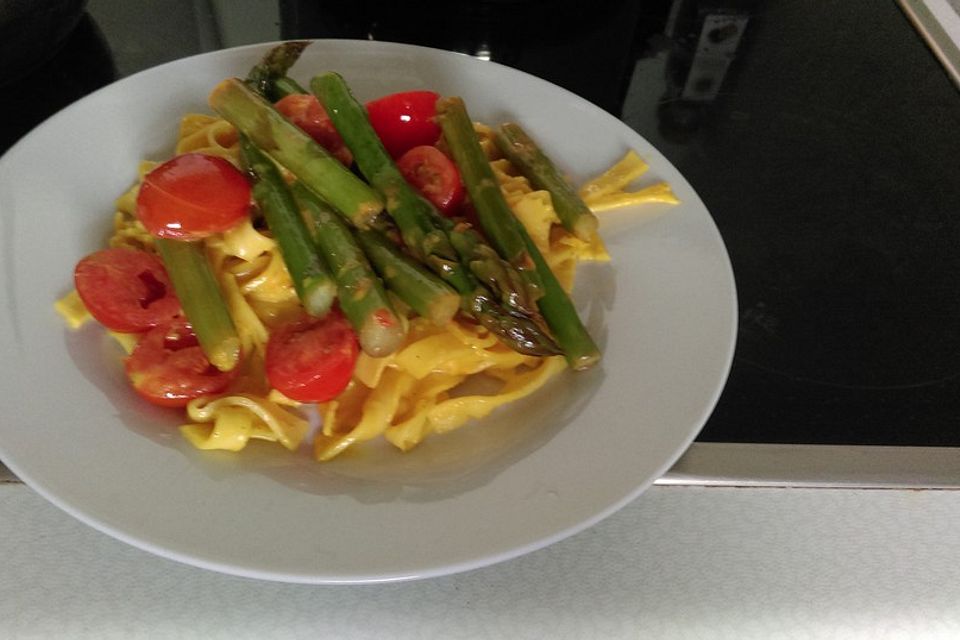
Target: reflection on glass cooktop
(823, 143)
(826, 158)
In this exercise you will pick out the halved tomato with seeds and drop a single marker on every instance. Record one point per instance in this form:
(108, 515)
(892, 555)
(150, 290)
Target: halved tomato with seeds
(435, 176)
(168, 367)
(312, 359)
(126, 290)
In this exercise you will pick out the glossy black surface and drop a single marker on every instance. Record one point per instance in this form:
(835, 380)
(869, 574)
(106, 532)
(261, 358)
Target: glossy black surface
(823, 139)
(828, 160)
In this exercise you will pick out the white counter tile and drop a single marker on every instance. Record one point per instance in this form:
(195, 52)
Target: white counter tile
(680, 562)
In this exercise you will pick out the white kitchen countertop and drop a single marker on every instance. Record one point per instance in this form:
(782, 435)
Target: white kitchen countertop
(679, 562)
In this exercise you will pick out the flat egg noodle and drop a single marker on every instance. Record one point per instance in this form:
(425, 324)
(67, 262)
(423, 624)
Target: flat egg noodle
(616, 178)
(72, 310)
(201, 133)
(406, 396)
(659, 192)
(608, 190)
(440, 413)
(127, 229)
(254, 281)
(230, 422)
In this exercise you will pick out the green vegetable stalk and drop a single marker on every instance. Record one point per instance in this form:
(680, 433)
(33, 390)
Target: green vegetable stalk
(311, 279)
(495, 216)
(412, 213)
(202, 301)
(534, 164)
(293, 149)
(269, 77)
(417, 287)
(506, 283)
(426, 234)
(578, 346)
(362, 297)
(505, 230)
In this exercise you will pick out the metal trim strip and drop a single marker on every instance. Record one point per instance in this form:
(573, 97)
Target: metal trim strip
(816, 466)
(925, 21)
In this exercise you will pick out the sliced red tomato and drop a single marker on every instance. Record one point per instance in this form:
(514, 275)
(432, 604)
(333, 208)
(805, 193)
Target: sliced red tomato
(435, 176)
(192, 196)
(312, 359)
(126, 290)
(405, 120)
(306, 112)
(168, 367)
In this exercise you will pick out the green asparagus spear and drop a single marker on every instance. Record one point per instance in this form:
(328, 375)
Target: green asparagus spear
(578, 347)
(494, 272)
(362, 297)
(426, 234)
(311, 279)
(515, 330)
(527, 156)
(202, 300)
(412, 213)
(500, 224)
(269, 77)
(295, 150)
(496, 217)
(424, 292)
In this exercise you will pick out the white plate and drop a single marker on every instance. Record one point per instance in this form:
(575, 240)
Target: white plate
(664, 312)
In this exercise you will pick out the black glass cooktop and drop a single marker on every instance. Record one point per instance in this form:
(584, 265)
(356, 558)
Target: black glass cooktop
(823, 139)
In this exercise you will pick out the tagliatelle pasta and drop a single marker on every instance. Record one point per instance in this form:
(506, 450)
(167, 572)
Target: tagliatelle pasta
(607, 191)
(438, 380)
(200, 133)
(231, 421)
(534, 209)
(71, 309)
(411, 393)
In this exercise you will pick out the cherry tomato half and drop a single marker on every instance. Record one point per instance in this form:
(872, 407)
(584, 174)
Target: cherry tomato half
(168, 368)
(405, 120)
(435, 176)
(126, 290)
(192, 196)
(306, 112)
(312, 359)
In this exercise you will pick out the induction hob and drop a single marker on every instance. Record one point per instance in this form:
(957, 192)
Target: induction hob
(822, 140)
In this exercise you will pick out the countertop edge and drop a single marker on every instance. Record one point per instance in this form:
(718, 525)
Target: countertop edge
(816, 466)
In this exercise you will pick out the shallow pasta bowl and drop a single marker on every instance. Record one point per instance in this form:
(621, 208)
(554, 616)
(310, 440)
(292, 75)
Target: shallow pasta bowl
(664, 311)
